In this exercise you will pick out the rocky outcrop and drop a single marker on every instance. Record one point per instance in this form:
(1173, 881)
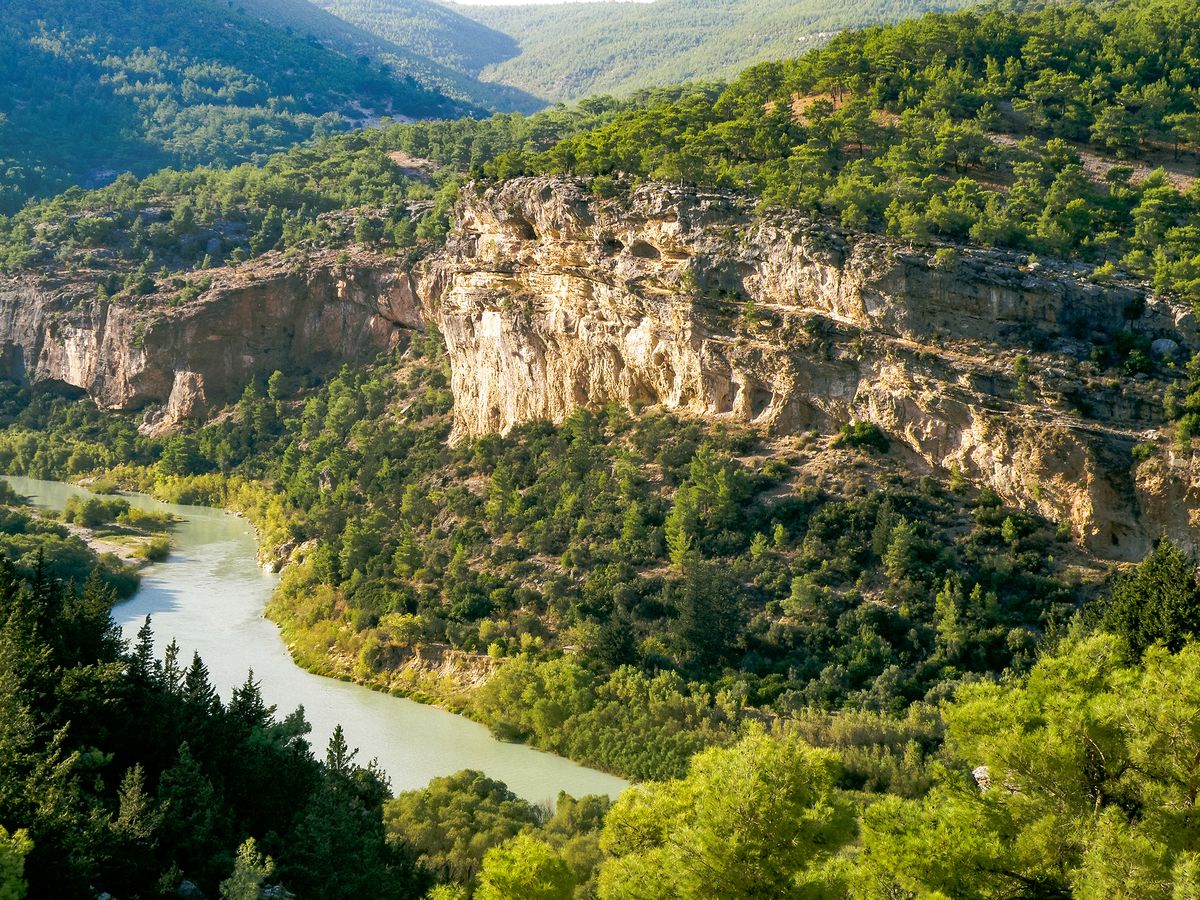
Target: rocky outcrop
(181, 361)
(550, 299)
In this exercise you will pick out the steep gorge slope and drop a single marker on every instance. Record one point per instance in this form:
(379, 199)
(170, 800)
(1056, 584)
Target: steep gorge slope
(418, 39)
(432, 30)
(550, 299)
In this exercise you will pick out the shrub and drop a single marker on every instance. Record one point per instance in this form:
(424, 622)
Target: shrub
(91, 512)
(146, 520)
(1144, 451)
(154, 550)
(103, 486)
(944, 258)
(863, 436)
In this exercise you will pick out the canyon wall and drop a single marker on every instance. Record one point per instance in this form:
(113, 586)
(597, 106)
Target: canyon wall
(550, 299)
(180, 362)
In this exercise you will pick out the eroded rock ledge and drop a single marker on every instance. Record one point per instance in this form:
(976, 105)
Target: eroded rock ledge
(551, 299)
(181, 362)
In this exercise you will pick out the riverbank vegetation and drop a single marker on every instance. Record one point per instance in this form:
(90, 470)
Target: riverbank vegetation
(127, 774)
(92, 512)
(31, 543)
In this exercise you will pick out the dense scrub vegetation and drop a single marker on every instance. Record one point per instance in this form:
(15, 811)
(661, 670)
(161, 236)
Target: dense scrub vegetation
(691, 571)
(1078, 779)
(1083, 786)
(456, 820)
(94, 89)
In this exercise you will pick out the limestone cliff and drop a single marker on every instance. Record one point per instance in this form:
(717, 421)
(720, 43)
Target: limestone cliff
(550, 298)
(181, 361)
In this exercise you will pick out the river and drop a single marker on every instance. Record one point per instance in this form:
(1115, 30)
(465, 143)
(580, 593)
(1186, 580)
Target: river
(210, 595)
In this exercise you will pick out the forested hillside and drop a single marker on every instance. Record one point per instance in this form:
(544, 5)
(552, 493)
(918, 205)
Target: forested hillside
(1072, 131)
(570, 51)
(94, 89)
(127, 773)
(432, 30)
(420, 39)
(1075, 774)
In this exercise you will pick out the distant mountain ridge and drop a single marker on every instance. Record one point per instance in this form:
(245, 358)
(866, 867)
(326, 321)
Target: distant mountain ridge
(419, 39)
(573, 50)
(564, 51)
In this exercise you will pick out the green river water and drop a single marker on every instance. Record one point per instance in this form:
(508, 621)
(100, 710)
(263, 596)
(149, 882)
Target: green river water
(209, 596)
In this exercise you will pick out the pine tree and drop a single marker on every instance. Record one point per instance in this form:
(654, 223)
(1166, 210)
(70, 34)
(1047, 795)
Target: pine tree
(710, 609)
(198, 692)
(779, 537)
(246, 708)
(1159, 601)
(339, 758)
(89, 632)
(680, 528)
(633, 529)
(10, 585)
(614, 644)
(269, 232)
(192, 821)
(251, 873)
(135, 833)
(172, 674)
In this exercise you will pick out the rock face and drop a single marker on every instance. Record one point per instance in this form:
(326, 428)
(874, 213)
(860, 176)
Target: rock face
(550, 299)
(179, 363)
